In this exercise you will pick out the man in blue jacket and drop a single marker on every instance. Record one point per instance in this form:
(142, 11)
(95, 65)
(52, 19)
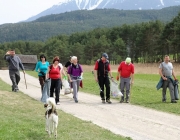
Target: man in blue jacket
(14, 65)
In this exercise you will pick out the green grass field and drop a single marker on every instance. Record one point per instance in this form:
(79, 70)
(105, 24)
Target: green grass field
(144, 92)
(22, 118)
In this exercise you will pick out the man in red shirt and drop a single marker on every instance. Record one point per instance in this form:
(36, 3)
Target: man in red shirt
(126, 73)
(101, 72)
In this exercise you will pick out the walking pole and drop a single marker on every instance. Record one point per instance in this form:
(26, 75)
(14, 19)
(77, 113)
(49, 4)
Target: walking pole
(25, 80)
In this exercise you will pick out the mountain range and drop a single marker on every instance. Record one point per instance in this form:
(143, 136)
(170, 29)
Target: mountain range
(72, 5)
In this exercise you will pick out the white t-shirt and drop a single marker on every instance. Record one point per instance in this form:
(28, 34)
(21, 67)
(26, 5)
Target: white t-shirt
(166, 68)
(61, 66)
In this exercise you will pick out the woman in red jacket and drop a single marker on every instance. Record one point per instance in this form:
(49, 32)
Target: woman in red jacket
(54, 73)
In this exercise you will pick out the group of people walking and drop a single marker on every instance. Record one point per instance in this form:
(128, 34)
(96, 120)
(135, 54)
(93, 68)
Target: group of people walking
(55, 72)
(102, 73)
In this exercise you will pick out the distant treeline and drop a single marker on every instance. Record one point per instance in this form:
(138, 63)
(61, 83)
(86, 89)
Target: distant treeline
(80, 21)
(144, 42)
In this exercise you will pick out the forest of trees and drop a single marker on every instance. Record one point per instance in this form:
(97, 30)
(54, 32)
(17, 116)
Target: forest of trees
(82, 20)
(145, 42)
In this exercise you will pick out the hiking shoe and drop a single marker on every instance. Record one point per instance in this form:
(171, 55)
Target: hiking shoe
(173, 101)
(108, 101)
(103, 101)
(127, 101)
(163, 100)
(16, 90)
(121, 101)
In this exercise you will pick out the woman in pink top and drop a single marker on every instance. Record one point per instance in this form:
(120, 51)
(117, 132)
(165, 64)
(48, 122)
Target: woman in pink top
(54, 73)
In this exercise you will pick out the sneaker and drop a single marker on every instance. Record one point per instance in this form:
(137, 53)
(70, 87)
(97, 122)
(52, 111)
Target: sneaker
(76, 101)
(103, 101)
(58, 103)
(108, 101)
(121, 101)
(173, 101)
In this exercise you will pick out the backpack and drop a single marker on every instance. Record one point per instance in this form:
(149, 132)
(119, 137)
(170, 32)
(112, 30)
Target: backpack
(72, 68)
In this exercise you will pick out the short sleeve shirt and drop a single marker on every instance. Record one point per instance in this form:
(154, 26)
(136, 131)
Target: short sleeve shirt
(166, 68)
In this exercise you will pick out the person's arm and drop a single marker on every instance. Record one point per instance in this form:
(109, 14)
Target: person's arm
(21, 65)
(47, 74)
(110, 73)
(132, 74)
(118, 72)
(96, 71)
(69, 73)
(132, 78)
(37, 67)
(6, 56)
(160, 73)
(174, 75)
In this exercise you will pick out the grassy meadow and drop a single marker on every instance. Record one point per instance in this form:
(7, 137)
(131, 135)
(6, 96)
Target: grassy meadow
(22, 118)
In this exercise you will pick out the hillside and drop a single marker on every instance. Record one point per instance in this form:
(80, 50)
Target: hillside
(78, 21)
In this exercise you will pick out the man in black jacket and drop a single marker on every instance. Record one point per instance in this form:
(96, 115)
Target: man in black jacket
(101, 71)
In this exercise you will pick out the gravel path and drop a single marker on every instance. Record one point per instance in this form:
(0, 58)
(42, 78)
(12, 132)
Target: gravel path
(128, 120)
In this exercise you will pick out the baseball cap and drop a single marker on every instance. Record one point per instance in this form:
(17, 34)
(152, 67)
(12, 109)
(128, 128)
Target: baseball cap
(128, 60)
(105, 55)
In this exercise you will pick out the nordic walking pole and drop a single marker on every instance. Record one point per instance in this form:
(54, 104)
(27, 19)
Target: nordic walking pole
(25, 80)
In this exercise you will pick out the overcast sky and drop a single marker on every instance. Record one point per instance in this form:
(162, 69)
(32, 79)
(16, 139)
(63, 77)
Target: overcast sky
(12, 11)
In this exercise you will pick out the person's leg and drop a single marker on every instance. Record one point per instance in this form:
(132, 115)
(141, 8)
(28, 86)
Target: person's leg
(127, 84)
(171, 90)
(122, 86)
(17, 75)
(107, 85)
(74, 83)
(101, 85)
(52, 88)
(57, 90)
(13, 79)
(165, 84)
(41, 81)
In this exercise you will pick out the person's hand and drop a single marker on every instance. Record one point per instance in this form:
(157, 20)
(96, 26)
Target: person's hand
(7, 53)
(24, 71)
(164, 78)
(117, 78)
(80, 77)
(132, 82)
(175, 79)
(96, 79)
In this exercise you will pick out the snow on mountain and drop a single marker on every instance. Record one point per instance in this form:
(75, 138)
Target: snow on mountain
(71, 5)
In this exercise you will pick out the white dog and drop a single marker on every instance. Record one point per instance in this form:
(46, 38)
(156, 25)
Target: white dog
(51, 116)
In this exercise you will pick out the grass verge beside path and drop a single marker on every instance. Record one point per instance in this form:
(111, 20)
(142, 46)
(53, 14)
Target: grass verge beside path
(144, 92)
(22, 118)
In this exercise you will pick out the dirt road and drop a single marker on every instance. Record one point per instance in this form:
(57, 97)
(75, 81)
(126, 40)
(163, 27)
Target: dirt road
(128, 120)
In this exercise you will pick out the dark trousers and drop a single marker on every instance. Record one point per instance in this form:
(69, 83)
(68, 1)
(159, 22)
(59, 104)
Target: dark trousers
(104, 81)
(15, 78)
(55, 86)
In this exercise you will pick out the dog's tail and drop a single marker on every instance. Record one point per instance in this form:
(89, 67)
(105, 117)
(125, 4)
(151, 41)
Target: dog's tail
(51, 101)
